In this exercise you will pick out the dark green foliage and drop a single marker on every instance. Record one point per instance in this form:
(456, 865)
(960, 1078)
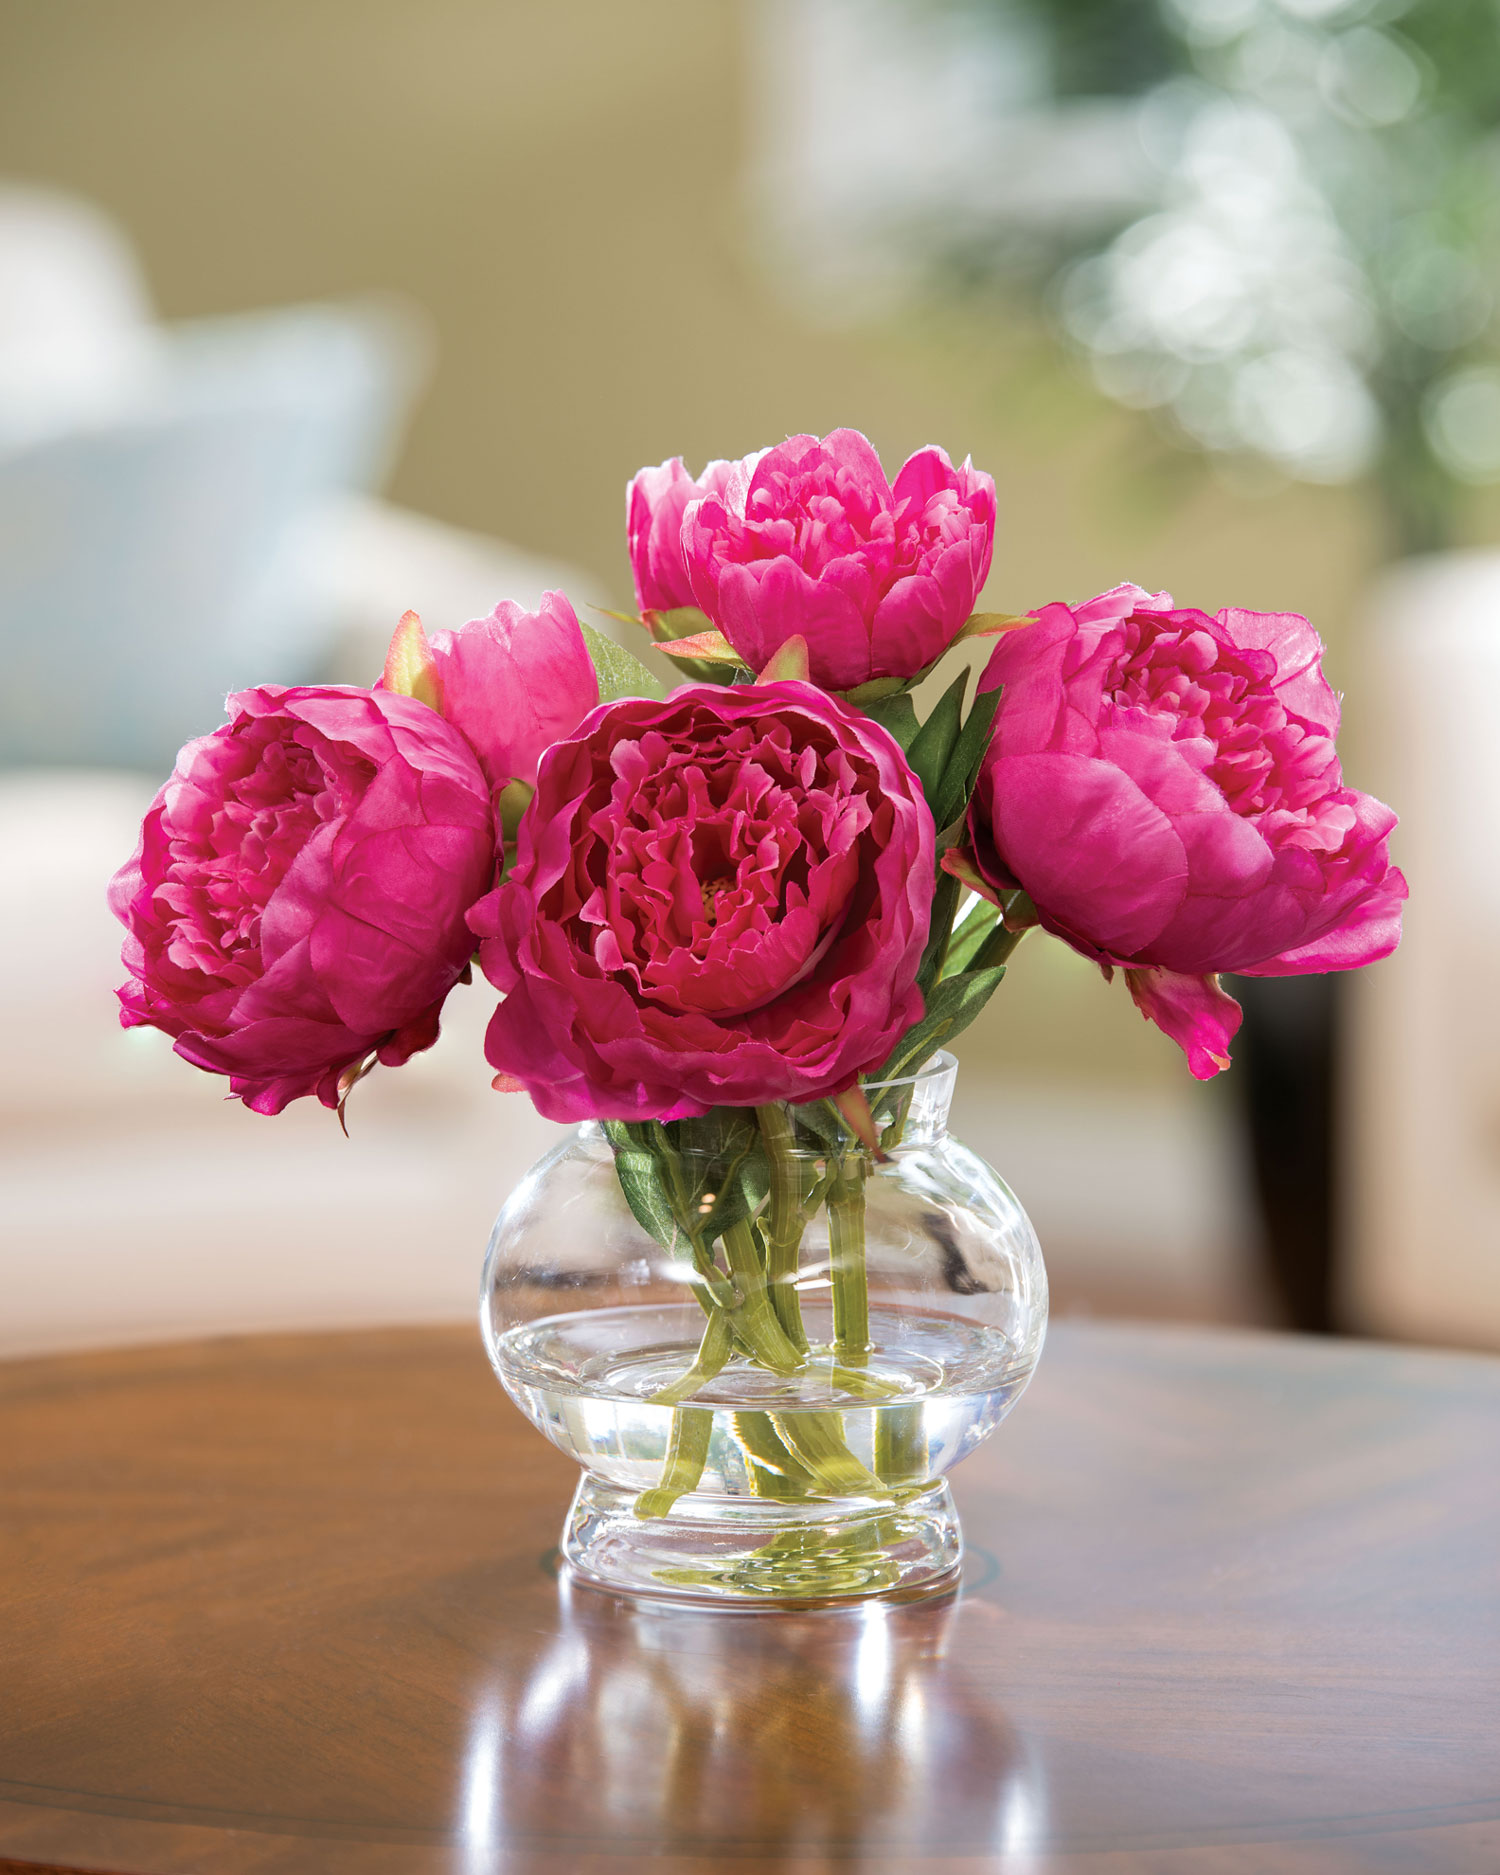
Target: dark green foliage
(944, 904)
(951, 1007)
(962, 768)
(897, 715)
(689, 1181)
(934, 742)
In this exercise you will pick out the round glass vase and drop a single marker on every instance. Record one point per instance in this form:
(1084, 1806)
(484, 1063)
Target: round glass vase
(766, 1344)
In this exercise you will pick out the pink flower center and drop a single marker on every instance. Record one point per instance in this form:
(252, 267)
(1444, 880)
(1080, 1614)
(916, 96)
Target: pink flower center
(274, 783)
(1269, 765)
(815, 512)
(720, 862)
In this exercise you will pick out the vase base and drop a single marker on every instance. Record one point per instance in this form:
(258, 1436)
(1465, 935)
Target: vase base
(755, 1552)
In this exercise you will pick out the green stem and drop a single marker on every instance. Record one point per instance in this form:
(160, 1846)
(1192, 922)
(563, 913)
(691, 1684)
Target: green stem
(755, 1320)
(774, 1469)
(997, 947)
(901, 1456)
(817, 1439)
(785, 1221)
(713, 1351)
(692, 1427)
(846, 1243)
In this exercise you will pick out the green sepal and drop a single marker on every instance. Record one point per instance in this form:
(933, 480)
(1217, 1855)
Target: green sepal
(620, 673)
(682, 621)
(686, 621)
(788, 663)
(990, 625)
(881, 690)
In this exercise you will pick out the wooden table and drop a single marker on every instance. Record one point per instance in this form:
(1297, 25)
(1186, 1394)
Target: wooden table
(288, 1605)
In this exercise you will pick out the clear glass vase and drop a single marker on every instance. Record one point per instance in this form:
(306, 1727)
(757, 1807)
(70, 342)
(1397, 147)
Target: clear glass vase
(765, 1343)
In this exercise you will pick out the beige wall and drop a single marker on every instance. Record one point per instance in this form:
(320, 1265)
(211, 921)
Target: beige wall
(557, 185)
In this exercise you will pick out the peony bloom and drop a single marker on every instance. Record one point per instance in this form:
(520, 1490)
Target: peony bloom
(810, 538)
(511, 683)
(297, 899)
(1166, 789)
(718, 898)
(654, 506)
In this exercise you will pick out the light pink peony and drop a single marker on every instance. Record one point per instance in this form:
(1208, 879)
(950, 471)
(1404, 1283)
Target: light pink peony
(1165, 787)
(809, 538)
(514, 682)
(654, 505)
(718, 898)
(297, 899)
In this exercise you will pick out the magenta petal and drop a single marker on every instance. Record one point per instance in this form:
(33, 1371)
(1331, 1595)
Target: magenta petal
(721, 898)
(1370, 931)
(515, 682)
(1198, 1015)
(1094, 853)
(760, 607)
(1224, 727)
(1298, 651)
(299, 894)
(808, 539)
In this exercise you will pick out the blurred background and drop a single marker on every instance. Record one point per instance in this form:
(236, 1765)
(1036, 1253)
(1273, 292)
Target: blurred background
(313, 312)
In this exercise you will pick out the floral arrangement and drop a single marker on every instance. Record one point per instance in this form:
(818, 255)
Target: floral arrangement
(717, 915)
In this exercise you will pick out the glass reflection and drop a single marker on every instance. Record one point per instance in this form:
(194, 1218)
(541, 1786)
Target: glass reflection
(631, 1727)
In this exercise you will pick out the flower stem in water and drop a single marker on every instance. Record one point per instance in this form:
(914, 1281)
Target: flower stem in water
(692, 1427)
(713, 1351)
(901, 1456)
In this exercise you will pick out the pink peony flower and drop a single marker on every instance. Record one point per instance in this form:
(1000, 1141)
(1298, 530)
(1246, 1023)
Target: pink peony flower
(511, 683)
(1166, 789)
(718, 898)
(654, 506)
(297, 899)
(810, 538)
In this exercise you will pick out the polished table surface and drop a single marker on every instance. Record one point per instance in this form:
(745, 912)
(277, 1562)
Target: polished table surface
(289, 1605)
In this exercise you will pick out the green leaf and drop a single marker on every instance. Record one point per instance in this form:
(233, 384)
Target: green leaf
(897, 715)
(969, 936)
(721, 1169)
(951, 1007)
(824, 1121)
(620, 674)
(934, 742)
(962, 769)
(643, 1179)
